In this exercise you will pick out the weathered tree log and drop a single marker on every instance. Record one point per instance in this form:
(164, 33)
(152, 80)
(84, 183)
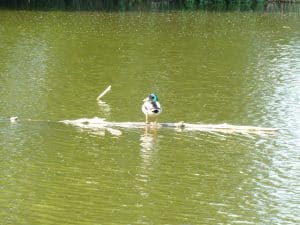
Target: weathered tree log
(99, 123)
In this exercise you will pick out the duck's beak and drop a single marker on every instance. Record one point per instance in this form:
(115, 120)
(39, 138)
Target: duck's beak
(146, 99)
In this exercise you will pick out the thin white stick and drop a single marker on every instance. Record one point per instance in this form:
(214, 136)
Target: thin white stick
(104, 92)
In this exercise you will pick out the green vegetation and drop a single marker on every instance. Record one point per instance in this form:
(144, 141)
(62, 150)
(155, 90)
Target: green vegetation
(146, 5)
(124, 5)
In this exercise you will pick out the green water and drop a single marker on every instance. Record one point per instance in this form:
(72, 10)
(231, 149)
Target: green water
(206, 67)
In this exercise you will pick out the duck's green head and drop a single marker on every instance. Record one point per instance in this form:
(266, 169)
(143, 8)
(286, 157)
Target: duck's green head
(153, 97)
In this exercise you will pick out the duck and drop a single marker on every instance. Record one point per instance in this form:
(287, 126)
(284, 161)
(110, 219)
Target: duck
(151, 107)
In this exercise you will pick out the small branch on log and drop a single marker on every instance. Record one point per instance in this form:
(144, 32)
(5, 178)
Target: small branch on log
(104, 93)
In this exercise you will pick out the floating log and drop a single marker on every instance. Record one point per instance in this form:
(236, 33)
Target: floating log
(100, 123)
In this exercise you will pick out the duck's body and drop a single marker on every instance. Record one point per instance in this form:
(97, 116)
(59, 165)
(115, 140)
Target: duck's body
(151, 107)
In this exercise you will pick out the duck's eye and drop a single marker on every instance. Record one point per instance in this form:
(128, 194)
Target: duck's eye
(153, 98)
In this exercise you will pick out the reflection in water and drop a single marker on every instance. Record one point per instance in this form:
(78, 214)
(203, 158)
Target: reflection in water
(27, 65)
(104, 109)
(101, 131)
(285, 102)
(94, 126)
(276, 83)
(284, 110)
(149, 144)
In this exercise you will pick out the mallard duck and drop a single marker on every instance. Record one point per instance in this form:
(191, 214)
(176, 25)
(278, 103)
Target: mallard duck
(151, 107)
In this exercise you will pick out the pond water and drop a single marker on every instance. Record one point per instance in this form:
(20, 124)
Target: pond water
(206, 67)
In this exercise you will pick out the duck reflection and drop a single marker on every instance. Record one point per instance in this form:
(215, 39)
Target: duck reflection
(149, 148)
(104, 108)
(149, 143)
